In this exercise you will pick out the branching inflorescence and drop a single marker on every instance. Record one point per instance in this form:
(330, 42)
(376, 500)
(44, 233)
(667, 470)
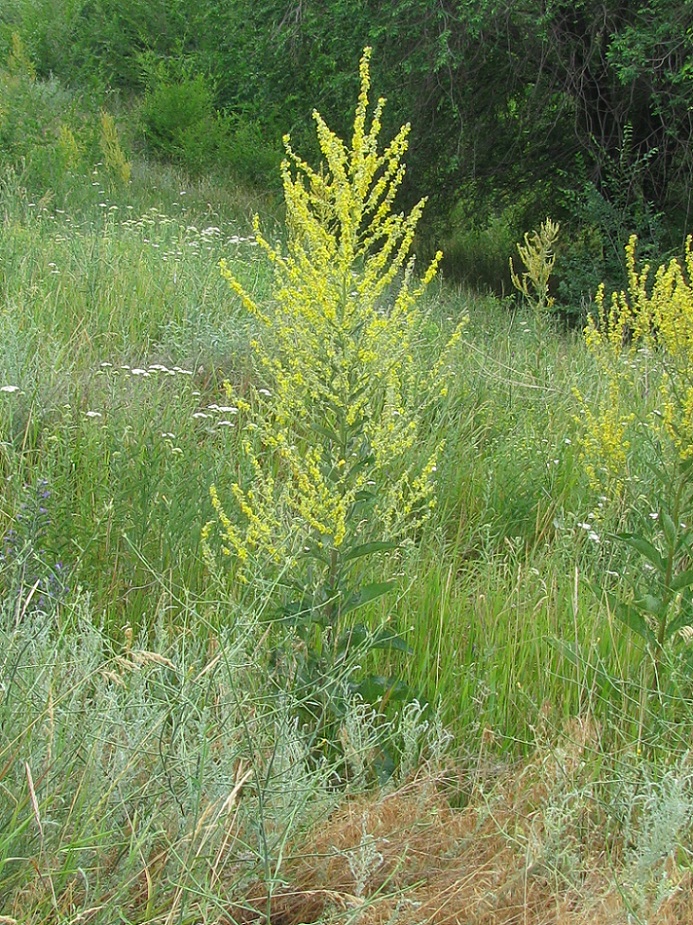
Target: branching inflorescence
(332, 440)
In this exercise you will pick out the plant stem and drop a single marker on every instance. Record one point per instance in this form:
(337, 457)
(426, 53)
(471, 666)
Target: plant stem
(667, 591)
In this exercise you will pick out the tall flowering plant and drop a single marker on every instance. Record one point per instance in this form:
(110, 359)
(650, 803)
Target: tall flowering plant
(638, 442)
(333, 436)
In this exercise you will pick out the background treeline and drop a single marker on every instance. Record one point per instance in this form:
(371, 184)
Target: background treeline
(576, 108)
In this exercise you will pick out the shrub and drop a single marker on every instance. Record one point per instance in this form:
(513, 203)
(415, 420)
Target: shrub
(179, 120)
(250, 154)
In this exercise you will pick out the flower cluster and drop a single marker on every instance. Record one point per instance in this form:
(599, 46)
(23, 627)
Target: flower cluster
(332, 446)
(212, 416)
(174, 240)
(642, 341)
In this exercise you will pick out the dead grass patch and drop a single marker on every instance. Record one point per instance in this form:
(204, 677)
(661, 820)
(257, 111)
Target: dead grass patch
(410, 856)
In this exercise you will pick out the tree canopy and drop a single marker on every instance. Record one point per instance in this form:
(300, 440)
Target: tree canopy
(581, 108)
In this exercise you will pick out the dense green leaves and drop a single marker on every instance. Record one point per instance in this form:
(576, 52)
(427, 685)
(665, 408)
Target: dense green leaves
(577, 108)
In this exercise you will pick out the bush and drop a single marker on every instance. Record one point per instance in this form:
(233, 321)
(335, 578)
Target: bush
(179, 121)
(250, 155)
(604, 216)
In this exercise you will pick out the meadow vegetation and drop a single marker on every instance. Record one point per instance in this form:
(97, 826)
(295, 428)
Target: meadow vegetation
(339, 593)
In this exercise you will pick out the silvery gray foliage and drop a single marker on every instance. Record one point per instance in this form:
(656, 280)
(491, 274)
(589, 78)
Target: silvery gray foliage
(657, 825)
(175, 745)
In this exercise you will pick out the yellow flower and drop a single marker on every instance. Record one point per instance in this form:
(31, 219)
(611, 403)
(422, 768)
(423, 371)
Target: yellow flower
(647, 324)
(339, 353)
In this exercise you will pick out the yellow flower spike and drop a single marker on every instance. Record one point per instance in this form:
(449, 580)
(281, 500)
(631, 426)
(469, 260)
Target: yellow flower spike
(649, 327)
(329, 450)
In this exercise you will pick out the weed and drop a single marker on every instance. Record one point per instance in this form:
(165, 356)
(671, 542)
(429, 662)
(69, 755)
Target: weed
(329, 438)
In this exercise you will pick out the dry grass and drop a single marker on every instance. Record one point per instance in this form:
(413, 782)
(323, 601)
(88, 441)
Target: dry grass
(410, 856)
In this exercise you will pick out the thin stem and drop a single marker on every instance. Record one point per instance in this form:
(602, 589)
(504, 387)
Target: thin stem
(667, 592)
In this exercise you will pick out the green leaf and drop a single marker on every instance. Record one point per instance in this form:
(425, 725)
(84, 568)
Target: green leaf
(634, 620)
(386, 638)
(660, 473)
(651, 604)
(357, 393)
(327, 432)
(669, 528)
(685, 465)
(361, 637)
(354, 637)
(373, 688)
(376, 689)
(367, 594)
(684, 541)
(358, 466)
(367, 548)
(312, 552)
(682, 580)
(645, 548)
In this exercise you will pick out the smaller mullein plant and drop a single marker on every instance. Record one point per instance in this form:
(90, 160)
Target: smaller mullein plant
(637, 443)
(334, 437)
(115, 160)
(538, 256)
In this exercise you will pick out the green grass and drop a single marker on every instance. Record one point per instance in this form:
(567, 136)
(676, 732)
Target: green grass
(90, 304)
(150, 762)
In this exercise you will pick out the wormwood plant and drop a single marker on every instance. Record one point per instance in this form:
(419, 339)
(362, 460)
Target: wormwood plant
(333, 440)
(638, 441)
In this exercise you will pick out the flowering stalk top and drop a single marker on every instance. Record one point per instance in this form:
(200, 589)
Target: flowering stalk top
(336, 349)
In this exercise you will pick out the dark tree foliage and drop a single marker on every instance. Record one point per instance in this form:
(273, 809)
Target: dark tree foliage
(582, 106)
(628, 69)
(506, 93)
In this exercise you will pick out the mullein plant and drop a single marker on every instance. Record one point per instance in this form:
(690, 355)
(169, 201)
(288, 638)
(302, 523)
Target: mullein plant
(538, 256)
(333, 438)
(637, 442)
